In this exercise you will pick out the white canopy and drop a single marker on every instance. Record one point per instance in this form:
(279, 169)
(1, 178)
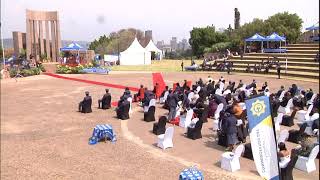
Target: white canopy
(153, 48)
(135, 55)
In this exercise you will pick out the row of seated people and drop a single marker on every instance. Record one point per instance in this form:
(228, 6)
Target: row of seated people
(103, 103)
(240, 93)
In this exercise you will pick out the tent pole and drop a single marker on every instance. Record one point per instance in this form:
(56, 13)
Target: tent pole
(261, 46)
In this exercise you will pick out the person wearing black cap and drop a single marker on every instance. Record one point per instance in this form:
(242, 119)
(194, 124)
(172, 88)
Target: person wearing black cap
(105, 102)
(278, 69)
(85, 104)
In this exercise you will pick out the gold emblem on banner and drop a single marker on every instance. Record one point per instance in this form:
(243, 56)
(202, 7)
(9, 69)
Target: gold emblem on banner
(258, 108)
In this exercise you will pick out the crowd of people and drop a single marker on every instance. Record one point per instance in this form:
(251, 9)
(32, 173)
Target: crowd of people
(204, 97)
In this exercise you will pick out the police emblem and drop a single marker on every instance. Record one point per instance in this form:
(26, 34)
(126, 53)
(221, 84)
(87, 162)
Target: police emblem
(258, 108)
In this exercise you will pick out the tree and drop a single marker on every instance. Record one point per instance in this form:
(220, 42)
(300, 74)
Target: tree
(116, 41)
(202, 38)
(285, 24)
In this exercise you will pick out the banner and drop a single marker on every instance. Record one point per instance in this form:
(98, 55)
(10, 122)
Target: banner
(262, 137)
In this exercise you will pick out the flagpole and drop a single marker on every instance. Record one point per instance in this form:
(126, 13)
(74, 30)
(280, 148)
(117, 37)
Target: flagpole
(4, 62)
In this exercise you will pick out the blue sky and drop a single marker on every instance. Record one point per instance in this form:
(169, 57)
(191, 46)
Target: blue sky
(88, 19)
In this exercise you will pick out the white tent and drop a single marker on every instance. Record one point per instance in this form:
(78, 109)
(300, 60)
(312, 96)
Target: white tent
(153, 48)
(135, 55)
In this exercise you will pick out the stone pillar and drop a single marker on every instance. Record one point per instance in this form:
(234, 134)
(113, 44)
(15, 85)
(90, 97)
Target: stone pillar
(36, 40)
(53, 41)
(48, 41)
(41, 38)
(28, 38)
(32, 37)
(58, 37)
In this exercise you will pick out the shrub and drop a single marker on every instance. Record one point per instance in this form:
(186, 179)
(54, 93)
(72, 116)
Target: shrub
(12, 72)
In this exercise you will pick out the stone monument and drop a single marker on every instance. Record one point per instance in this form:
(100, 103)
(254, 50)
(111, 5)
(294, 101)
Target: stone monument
(236, 18)
(43, 34)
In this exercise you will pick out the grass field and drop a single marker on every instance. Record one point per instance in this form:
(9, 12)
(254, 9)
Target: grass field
(162, 66)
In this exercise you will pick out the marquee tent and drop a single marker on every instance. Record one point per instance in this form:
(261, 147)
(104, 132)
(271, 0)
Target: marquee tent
(152, 48)
(135, 55)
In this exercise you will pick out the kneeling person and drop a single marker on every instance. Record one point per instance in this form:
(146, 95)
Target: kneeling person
(105, 102)
(85, 104)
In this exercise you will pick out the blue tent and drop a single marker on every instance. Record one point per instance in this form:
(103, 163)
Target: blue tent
(275, 37)
(313, 27)
(73, 46)
(256, 37)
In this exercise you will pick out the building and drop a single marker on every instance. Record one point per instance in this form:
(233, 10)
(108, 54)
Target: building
(174, 44)
(19, 42)
(160, 44)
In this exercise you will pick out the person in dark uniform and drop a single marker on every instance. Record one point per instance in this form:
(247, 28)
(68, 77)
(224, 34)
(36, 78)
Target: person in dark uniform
(182, 66)
(172, 103)
(85, 105)
(278, 70)
(105, 102)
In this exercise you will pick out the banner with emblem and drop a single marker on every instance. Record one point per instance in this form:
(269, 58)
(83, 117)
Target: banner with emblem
(262, 137)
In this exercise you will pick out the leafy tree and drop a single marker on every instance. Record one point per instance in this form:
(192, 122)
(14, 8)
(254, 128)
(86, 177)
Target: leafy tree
(202, 38)
(116, 41)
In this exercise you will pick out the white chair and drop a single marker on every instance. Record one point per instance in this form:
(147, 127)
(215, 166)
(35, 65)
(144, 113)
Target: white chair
(242, 105)
(230, 161)
(310, 101)
(216, 117)
(185, 121)
(307, 164)
(218, 92)
(165, 140)
(278, 121)
(130, 100)
(286, 110)
(303, 115)
(267, 94)
(190, 96)
(178, 108)
(226, 92)
(221, 85)
(198, 89)
(248, 92)
(164, 98)
(282, 95)
(152, 102)
(284, 134)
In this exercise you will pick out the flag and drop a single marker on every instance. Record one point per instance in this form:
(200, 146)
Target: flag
(262, 137)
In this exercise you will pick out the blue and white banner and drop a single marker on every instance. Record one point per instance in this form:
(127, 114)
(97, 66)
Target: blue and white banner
(263, 143)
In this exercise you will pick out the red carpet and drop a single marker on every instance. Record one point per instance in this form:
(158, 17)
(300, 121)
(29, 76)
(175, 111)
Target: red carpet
(157, 78)
(93, 82)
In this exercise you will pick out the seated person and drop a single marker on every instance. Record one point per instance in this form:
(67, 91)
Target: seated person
(85, 104)
(123, 108)
(140, 95)
(284, 155)
(105, 102)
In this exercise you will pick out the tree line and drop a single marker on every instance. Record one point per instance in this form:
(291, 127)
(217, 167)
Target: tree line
(208, 40)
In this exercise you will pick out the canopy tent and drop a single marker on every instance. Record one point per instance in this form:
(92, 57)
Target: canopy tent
(153, 48)
(313, 28)
(73, 47)
(274, 37)
(255, 38)
(135, 55)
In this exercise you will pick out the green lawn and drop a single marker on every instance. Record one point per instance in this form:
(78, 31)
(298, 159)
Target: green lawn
(162, 66)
